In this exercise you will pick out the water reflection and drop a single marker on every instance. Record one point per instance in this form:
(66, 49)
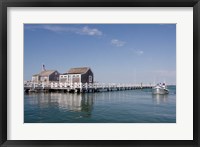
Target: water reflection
(102, 107)
(63, 101)
(160, 98)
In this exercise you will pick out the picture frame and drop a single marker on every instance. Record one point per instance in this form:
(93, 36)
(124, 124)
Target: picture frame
(100, 3)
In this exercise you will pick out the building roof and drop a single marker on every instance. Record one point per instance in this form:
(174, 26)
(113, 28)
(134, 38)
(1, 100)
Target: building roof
(78, 70)
(36, 75)
(46, 72)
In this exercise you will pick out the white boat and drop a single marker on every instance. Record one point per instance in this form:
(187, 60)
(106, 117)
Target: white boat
(160, 89)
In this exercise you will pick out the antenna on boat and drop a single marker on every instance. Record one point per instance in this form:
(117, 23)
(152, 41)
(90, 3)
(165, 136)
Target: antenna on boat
(164, 81)
(154, 82)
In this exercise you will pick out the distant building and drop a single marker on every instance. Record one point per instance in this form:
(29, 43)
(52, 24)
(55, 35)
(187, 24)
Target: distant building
(46, 76)
(77, 75)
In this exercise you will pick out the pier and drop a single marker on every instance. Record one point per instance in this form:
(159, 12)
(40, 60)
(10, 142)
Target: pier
(81, 87)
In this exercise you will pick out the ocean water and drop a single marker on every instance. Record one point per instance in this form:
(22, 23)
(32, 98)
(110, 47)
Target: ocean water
(129, 106)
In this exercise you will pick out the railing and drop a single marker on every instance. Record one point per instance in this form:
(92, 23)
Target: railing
(57, 85)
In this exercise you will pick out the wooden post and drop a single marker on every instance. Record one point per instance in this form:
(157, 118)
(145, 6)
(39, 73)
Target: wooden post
(43, 85)
(80, 87)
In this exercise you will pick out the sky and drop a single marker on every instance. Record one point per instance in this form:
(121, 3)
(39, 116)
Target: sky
(116, 53)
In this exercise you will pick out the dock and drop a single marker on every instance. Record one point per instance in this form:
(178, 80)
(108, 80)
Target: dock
(81, 87)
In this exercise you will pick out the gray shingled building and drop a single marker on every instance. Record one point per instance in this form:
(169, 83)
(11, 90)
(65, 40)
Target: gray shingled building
(46, 76)
(77, 75)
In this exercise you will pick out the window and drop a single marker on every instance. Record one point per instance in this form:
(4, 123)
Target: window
(90, 78)
(43, 78)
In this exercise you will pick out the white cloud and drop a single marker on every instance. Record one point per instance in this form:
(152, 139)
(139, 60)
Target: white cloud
(90, 31)
(61, 29)
(56, 28)
(139, 52)
(117, 42)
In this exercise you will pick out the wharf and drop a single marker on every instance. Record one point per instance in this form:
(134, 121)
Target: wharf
(81, 87)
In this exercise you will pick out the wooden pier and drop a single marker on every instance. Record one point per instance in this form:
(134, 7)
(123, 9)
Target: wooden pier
(81, 87)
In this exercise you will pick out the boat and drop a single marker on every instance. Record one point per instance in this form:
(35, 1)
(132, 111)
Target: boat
(160, 89)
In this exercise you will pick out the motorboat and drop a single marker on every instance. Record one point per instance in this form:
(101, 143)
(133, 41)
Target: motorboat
(160, 89)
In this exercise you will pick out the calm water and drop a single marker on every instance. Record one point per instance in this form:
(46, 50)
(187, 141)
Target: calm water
(130, 106)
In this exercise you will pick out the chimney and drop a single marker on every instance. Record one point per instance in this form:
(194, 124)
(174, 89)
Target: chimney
(43, 67)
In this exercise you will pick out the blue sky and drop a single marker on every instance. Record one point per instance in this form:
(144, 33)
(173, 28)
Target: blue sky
(117, 53)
